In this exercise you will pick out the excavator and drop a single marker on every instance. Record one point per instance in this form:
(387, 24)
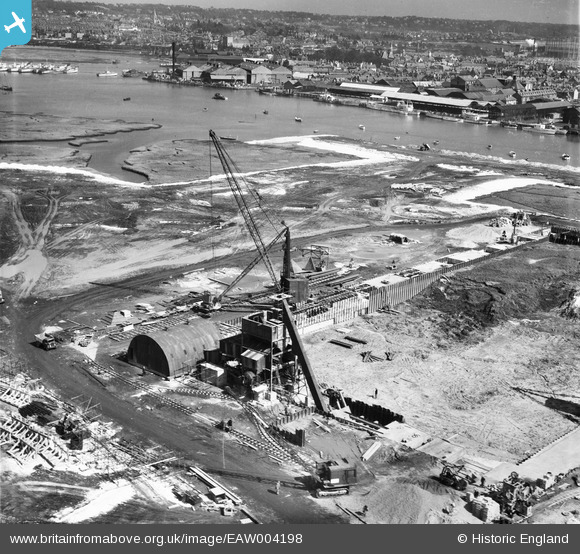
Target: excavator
(453, 475)
(335, 477)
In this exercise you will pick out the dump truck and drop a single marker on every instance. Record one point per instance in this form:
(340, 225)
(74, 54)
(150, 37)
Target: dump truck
(335, 477)
(46, 341)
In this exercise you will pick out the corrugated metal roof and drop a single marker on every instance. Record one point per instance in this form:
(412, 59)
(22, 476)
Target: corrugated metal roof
(424, 99)
(362, 87)
(166, 352)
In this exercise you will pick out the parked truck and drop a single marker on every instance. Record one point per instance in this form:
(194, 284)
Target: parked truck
(1, 297)
(46, 341)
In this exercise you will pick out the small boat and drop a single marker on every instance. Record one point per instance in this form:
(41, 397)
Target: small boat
(512, 154)
(265, 112)
(205, 109)
(397, 138)
(565, 156)
(315, 131)
(127, 99)
(133, 73)
(435, 142)
(298, 119)
(228, 138)
(489, 146)
(107, 74)
(218, 96)
(361, 127)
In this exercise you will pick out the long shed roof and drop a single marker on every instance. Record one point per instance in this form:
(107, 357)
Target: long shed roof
(168, 352)
(424, 99)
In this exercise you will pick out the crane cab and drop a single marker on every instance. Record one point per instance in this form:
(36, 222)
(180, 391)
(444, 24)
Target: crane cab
(335, 477)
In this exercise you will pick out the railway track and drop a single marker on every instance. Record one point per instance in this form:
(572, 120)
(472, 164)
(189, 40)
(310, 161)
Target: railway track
(265, 444)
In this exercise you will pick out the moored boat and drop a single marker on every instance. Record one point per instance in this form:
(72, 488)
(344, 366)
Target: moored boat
(565, 156)
(509, 124)
(512, 154)
(432, 115)
(107, 74)
(133, 73)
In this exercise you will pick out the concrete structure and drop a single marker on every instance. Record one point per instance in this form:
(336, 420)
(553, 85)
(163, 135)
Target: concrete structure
(174, 351)
(466, 256)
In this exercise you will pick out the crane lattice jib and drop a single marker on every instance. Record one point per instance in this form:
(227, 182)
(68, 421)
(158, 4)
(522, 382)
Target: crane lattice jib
(228, 166)
(250, 266)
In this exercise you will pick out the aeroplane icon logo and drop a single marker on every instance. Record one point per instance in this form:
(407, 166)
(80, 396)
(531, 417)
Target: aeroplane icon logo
(15, 22)
(18, 22)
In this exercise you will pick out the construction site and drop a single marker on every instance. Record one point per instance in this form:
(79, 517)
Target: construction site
(296, 365)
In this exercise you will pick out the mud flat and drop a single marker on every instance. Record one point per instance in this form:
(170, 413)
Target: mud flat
(42, 127)
(45, 154)
(107, 228)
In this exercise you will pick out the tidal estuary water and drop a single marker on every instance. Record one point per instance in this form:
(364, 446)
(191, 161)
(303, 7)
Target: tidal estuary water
(189, 112)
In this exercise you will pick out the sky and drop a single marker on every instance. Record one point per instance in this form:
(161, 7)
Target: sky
(542, 11)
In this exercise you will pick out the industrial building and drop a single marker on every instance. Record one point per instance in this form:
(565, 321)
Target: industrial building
(175, 351)
(567, 48)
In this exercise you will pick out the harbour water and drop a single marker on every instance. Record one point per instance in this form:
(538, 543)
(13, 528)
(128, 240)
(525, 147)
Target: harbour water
(189, 112)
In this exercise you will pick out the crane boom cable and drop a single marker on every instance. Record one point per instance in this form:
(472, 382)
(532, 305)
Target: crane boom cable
(240, 177)
(250, 266)
(251, 224)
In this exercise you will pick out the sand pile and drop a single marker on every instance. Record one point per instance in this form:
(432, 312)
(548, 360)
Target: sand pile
(471, 236)
(385, 505)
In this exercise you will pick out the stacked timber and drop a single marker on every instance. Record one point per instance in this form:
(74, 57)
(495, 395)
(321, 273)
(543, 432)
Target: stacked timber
(340, 343)
(370, 357)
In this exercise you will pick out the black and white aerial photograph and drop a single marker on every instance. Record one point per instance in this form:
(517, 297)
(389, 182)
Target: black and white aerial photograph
(291, 262)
